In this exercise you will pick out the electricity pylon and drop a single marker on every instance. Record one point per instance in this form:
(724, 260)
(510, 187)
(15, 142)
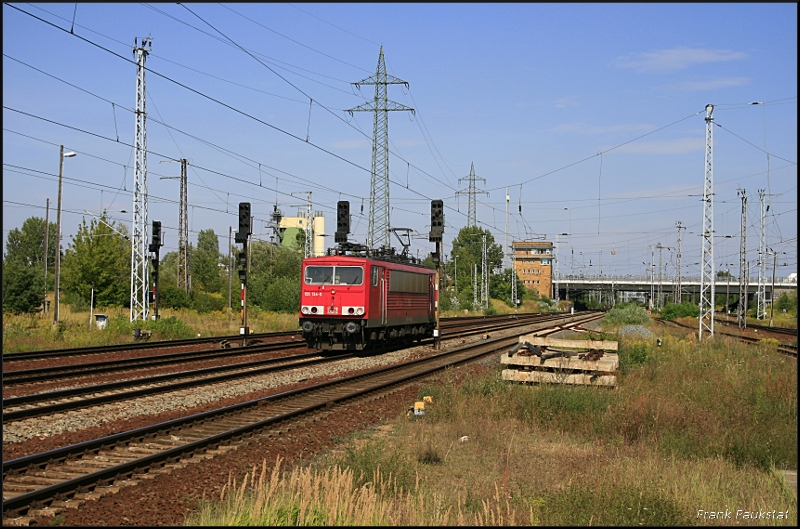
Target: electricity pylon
(471, 191)
(378, 236)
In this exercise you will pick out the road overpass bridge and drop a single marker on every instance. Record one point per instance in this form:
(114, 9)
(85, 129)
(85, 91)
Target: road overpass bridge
(626, 287)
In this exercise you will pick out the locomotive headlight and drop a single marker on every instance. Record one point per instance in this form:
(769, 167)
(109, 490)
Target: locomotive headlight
(351, 310)
(304, 310)
(360, 311)
(313, 310)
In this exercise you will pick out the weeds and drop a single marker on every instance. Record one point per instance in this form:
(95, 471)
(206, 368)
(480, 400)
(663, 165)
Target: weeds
(691, 426)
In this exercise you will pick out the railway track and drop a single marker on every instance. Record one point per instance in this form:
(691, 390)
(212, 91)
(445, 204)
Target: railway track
(788, 350)
(50, 402)
(42, 484)
(11, 357)
(777, 330)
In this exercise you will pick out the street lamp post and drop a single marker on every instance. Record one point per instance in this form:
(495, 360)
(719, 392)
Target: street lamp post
(62, 155)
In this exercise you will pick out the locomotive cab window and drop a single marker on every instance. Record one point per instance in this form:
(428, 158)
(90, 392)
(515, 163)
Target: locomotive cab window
(349, 275)
(334, 275)
(319, 275)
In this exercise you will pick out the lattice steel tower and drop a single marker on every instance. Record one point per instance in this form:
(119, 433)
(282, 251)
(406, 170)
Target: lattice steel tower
(183, 227)
(140, 277)
(378, 236)
(761, 294)
(678, 287)
(744, 272)
(707, 261)
(183, 232)
(471, 191)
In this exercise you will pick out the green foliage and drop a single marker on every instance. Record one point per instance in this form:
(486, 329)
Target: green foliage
(672, 311)
(625, 506)
(633, 354)
(283, 295)
(168, 328)
(466, 252)
(23, 290)
(172, 297)
(500, 286)
(490, 310)
(626, 314)
(207, 275)
(204, 302)
(98, 255)
(787, 302)
(23, 266)
(364, 462)
(26, 245)
(274, 278)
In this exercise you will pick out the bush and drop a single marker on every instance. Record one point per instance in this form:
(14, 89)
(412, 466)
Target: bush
(172, 297)
(490, 310)
(283, 295)
(204, 302)
(672, 311)
(627, 314)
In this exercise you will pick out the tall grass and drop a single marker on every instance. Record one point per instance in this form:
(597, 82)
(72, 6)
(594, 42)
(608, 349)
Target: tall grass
(691, 426)
(33, 332)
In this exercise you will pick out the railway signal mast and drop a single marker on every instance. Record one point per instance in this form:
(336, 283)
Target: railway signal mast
(378, 236)
(436, 235)
(241, 237)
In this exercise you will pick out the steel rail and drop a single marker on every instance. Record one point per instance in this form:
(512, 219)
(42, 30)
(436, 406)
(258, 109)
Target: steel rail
(78, 370)
(100, 349)
(249, 369)
(267, 412)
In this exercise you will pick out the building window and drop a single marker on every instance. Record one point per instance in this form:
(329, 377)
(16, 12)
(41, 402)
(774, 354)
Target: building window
(545, 261)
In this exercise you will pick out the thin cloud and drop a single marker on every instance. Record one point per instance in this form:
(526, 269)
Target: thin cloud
(357, 143)
(409, 143)
(676, 146)
(712, 84)
(564, 102)
(675, 59)
(590, 130)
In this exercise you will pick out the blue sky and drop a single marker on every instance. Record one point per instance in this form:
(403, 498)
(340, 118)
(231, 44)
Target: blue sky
(591, 115)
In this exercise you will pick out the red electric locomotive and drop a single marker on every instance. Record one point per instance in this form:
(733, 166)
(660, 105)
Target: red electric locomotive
(359, 302)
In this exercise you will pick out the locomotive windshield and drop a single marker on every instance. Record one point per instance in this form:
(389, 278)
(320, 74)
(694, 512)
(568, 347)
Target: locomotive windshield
(334, 275)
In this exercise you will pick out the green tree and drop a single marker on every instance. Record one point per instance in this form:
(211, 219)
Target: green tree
(99, 254)
(270, 264)
(787, 302)
(26, 246)
(466, 252)
(500, 286)
(207, 274)
(23, 290)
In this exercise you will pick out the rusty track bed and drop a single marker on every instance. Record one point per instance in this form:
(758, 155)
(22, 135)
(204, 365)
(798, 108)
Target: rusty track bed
(788, 350)
(135, 346)
(64, 477)
(64, 400)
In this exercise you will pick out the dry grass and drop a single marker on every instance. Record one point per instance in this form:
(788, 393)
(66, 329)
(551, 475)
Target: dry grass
(692, 427)
(34, 333)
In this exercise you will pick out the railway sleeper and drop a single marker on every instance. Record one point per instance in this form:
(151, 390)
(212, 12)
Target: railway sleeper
(55, 474)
